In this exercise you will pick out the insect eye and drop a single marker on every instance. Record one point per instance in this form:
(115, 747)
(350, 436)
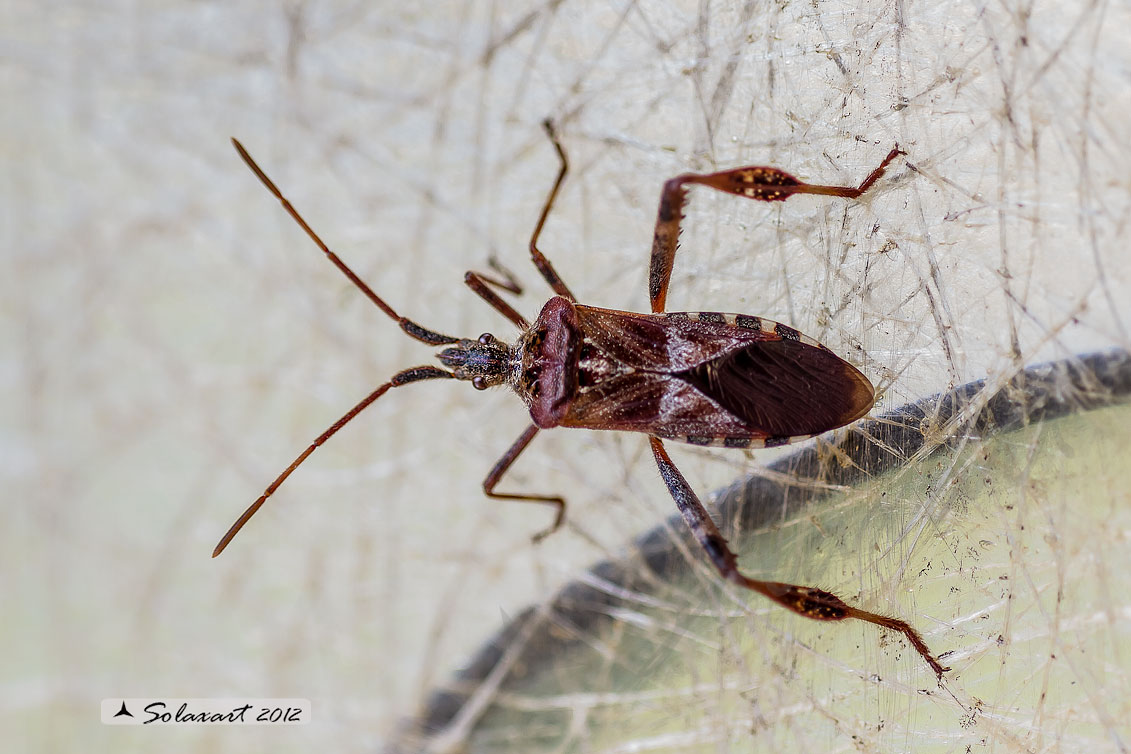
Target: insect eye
(486, 339)
(479, 382)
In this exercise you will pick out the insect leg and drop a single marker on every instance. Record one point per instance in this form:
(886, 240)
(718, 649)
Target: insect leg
(539, 259)
(508, 281)
(410, 328)
(480, 283)
(501, 467)
(414, 374)
(803, 600)
(765, 184)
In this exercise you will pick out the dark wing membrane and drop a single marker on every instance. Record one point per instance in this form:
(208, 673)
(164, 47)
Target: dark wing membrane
(784, 387)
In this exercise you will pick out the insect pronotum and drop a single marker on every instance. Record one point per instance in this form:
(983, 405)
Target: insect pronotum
(704, 378)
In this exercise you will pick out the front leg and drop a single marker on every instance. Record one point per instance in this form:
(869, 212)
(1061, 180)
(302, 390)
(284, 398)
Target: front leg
(540, 261)
(803, 600)
(762, 183)
(481, 284)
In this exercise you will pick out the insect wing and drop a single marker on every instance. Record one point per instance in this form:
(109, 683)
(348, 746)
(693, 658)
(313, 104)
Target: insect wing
(654, 403)
(784, 387)
(663, 343)
(711, 378)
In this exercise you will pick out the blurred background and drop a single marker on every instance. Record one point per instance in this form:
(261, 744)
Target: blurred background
(170, 339)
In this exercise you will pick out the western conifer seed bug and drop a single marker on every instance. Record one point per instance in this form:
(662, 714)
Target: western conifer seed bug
(704, 378)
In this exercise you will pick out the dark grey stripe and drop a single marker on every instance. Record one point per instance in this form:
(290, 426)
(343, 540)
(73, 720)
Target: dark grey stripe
(787, 332)
(747, 322)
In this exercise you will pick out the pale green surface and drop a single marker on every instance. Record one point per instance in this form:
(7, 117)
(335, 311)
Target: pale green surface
(1016, 576)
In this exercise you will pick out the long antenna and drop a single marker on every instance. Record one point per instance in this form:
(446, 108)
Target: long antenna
(412, 329)
(405, 377)
(415, 374)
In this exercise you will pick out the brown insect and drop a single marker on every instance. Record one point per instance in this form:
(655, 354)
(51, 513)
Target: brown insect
(704, 378)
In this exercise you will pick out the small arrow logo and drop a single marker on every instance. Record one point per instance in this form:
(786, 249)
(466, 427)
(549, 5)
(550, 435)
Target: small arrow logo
(123, 712)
